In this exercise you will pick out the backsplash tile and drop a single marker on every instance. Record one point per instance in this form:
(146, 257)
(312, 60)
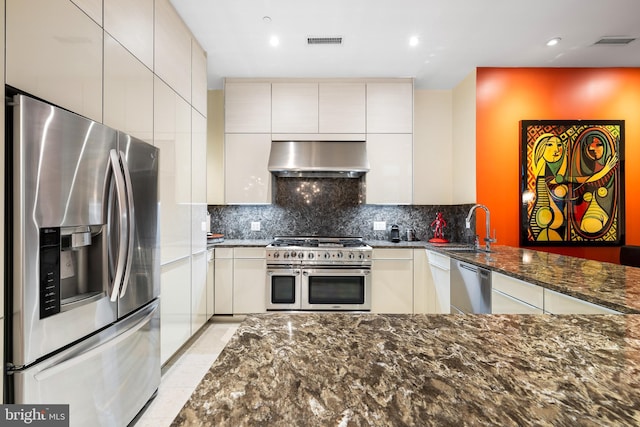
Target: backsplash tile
(328, 206)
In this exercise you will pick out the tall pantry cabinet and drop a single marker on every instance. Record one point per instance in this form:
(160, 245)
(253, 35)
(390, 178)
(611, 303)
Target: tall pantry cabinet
(133, 66)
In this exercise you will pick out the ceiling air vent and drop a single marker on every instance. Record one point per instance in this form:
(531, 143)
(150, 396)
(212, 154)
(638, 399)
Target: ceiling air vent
(324, 40)
(614, 41)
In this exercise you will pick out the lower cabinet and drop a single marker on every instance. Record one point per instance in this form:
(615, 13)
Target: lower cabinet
(392, 281)
(223, 281)
(423, 289)
(512, 296)
(249, 278)
(175, 306)
(558, 303)
(440, 267)
(210, 283)
(239, 280)
(198, 291)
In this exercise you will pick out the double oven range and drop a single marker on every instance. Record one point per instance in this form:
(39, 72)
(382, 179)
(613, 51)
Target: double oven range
(319, 273)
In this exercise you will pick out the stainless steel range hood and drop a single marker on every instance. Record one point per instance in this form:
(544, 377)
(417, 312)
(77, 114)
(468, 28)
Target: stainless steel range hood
(323, 159)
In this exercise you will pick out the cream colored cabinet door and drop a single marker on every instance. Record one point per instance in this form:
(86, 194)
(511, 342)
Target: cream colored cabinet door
(223, 281)
(249, 280)
(390, 180)
(57, 59)
(198, 291)
(175, 306)
(392, 281)
(440, 266)
(172, 49)
(172, 129)
(424, 293)
(390, 107)
(210, 283)
(93, 8)
(198, 182)
(198, 78)
(247, 107)
(342, 108)
(513, 296)
(131, 23)
(294, 108)
(558, 303)
(246, 177)
(128, 92)
(502, 303)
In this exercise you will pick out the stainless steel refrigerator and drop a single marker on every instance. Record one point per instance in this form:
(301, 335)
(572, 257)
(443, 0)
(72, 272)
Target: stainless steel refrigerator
(82, 308)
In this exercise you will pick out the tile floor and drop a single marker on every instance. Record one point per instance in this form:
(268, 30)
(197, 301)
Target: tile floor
(183, 372)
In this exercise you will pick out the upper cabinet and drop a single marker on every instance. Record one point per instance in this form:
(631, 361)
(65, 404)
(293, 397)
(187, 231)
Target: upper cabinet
(137, 39)
(246, 178)
(59, 59)
(247, 107)
(128, 91)
(318, 108)
(93, 8)
(294, 107)
(198, 78)
(172, 47)
(342, 108)
(390, 107)
(391, 160)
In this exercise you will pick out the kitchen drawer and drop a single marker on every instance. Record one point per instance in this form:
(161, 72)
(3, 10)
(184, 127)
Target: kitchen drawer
(382, 253)
(249, 253)
(220, 253)
(505, 304)
(558, 303)
(526, 292)
(439, 260)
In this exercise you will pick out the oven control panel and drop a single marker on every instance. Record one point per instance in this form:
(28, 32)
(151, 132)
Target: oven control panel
(359, 256)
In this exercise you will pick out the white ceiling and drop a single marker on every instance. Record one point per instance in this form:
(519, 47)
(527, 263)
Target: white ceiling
(455, 36)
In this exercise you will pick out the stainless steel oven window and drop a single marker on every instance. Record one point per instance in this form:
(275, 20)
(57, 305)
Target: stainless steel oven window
(283, 289)
(336, 289)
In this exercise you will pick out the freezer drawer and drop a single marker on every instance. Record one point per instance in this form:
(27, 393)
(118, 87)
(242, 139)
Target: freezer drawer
(106, 379)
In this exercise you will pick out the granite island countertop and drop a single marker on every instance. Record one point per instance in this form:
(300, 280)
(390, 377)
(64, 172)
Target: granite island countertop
(330, 369)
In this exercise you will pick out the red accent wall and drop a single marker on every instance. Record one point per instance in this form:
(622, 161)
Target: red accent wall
(504, 96)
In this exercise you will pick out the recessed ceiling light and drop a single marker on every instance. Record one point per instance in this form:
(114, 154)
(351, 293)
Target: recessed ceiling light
(413, 41)
(274, 41)
(266, 18)
(554, 41)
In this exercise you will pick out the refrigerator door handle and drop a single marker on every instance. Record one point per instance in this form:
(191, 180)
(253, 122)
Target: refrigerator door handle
(134, 324)
(123, 226)
(131, 222)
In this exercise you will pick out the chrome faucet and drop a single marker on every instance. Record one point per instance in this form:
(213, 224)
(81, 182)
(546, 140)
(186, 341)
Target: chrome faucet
(487, 240)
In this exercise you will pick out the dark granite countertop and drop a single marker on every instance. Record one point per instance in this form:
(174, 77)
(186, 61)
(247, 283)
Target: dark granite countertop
(610, 285)
(333, 369)
(239, 243)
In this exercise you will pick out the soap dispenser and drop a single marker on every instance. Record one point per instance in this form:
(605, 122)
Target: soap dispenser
(395, 234)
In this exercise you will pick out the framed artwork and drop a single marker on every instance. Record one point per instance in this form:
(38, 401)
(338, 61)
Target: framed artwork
(572, 183)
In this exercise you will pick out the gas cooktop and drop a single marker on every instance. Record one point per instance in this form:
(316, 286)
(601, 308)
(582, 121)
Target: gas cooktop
(318, 242)
(314, 250)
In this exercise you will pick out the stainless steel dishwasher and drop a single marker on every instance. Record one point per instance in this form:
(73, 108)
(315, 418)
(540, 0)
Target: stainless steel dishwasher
(470, 288)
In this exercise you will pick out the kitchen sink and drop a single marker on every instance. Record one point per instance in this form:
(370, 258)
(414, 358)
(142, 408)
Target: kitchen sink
(462, 249)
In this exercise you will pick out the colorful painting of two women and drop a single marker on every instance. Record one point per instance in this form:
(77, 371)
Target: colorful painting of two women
(572, 183)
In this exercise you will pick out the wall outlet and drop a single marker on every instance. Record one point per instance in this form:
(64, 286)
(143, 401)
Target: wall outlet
(255, 225)
(379, 225)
